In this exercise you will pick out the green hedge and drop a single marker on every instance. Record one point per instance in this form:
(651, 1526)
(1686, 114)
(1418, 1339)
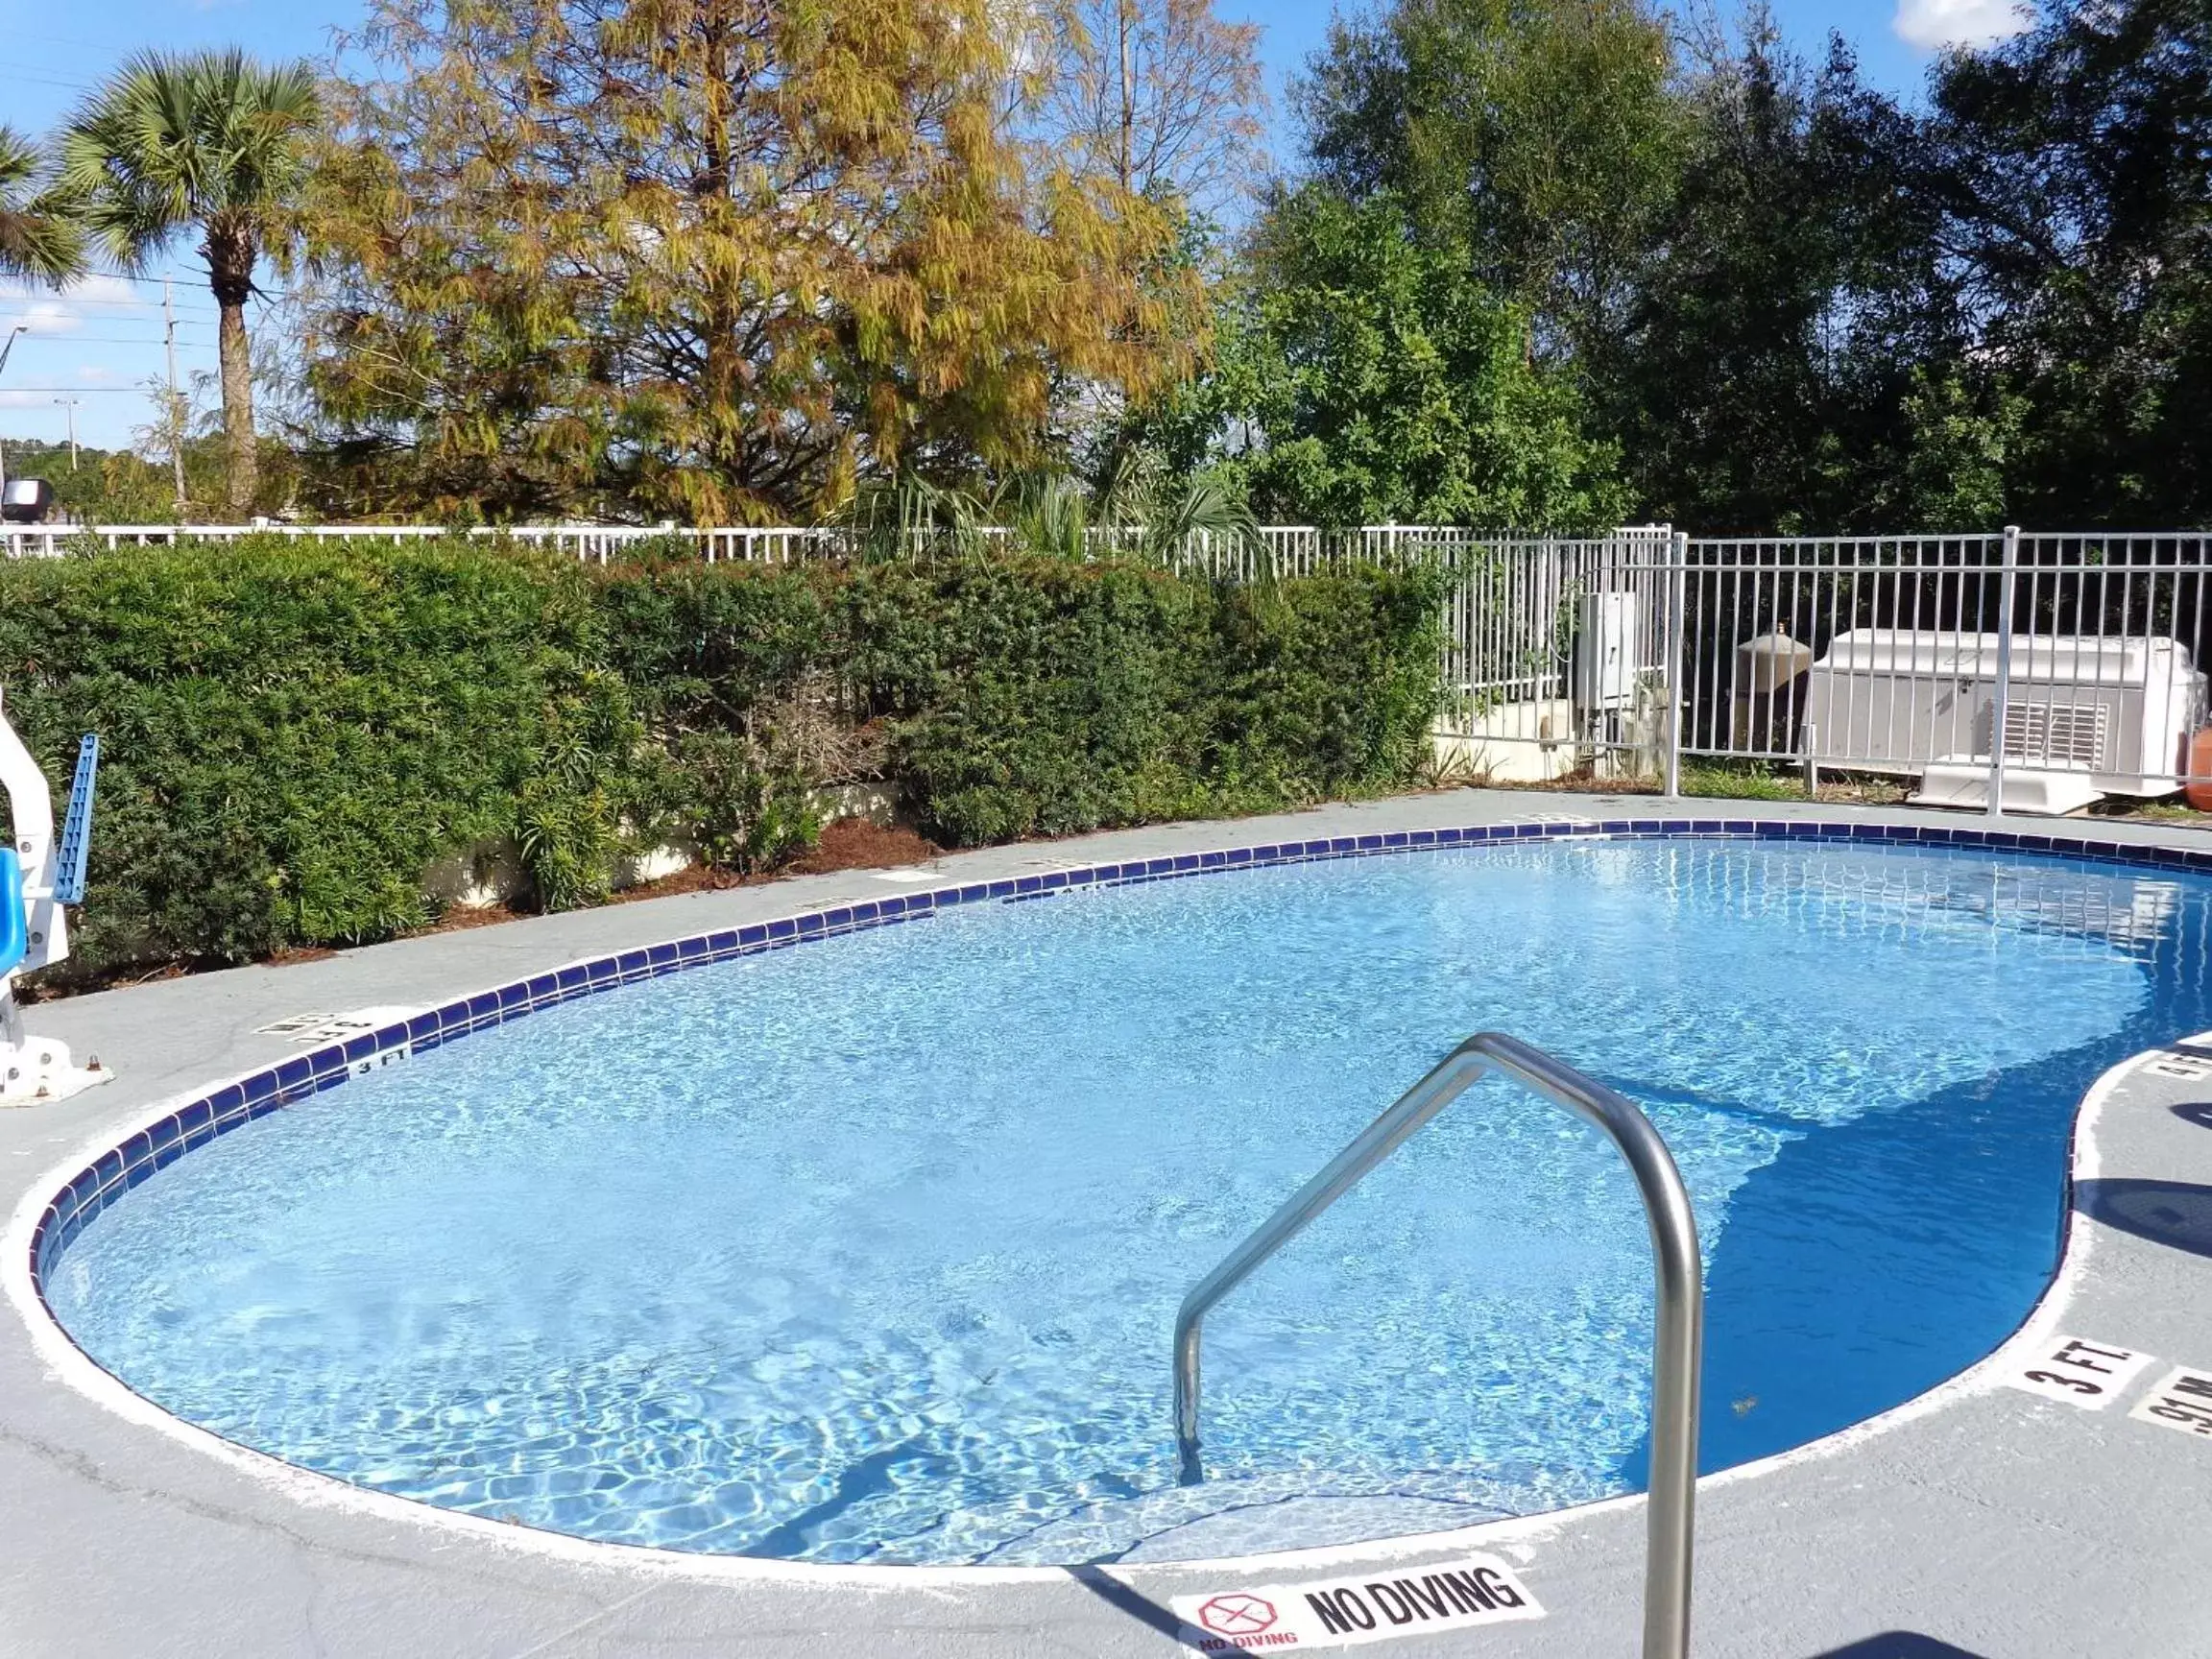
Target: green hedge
(293, 733)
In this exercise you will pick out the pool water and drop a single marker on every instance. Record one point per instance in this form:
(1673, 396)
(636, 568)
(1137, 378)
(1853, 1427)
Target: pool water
(870, 1252)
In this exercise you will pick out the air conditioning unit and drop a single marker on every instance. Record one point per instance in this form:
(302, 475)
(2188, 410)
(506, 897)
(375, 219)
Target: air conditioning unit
(2085, 714)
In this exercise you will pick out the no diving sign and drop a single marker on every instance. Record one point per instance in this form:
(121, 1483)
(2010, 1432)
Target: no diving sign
(1365, 1607)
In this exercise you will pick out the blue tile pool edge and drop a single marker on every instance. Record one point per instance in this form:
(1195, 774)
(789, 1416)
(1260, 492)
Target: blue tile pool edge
(152, 1147)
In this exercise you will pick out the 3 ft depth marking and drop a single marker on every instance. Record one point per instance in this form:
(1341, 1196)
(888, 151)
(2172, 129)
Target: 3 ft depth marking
(2090, 1374)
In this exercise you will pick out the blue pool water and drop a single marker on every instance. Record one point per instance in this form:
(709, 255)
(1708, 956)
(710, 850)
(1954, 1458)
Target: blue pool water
(870, 1251)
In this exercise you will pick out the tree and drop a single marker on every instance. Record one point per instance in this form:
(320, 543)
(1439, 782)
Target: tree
(1362, 376)
(207, 141)
(1542, 137)
(713, 257)
(37, 241)
(1160, 95)
(1795, 340)
(2081, 202)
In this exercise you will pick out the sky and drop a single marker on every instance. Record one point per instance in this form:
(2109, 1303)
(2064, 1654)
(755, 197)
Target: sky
(101, 341)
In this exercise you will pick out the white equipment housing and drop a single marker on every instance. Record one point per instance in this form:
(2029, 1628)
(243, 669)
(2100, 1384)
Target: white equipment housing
(1606, 653)
(35, 1070)
(2085, 715)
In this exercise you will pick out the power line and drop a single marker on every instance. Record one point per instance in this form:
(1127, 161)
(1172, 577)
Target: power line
(37, 339)
(13, 302)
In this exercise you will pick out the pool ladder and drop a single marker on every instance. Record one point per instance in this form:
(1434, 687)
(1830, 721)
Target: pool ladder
(1677, 1336)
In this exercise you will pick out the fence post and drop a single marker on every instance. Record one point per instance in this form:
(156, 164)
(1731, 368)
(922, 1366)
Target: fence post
(2005, 582)
(1678, 578)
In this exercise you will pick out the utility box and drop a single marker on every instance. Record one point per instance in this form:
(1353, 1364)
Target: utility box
(1606, 659)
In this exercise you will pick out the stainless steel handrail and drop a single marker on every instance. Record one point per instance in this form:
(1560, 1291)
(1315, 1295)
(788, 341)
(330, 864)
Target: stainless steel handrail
(1677, 1337)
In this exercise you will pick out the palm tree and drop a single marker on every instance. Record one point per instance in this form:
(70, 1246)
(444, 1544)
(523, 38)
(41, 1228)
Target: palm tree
(207, 139)
(34, 240)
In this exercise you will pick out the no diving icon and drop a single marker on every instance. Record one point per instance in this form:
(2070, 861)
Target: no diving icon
(1236, 1614)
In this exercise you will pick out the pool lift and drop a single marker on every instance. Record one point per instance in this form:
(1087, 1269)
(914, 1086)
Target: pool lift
(38, 878)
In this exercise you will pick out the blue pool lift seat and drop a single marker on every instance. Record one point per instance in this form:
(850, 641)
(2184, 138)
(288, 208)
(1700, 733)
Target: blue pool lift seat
(14, 916)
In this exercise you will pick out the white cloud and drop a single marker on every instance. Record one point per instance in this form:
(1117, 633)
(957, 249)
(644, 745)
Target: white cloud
(88, 298)
(1934, 24)
(49, 317)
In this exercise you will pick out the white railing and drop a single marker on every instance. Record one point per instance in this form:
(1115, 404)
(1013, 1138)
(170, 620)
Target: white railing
(1287, 549)
(592, 542)
(1283, 550)
(2037, 669)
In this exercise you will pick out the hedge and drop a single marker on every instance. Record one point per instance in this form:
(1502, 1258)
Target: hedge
(293, 733)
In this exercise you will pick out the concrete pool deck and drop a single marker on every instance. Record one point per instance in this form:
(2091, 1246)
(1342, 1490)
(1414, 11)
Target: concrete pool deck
(1981, 1520)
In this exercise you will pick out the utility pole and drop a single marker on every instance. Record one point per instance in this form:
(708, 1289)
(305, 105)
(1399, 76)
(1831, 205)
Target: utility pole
(14, 334)
(176, 410)
(69, 408)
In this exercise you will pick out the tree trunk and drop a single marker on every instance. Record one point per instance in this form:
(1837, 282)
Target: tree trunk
(724, 387)
(230, 274)
(1128, 97)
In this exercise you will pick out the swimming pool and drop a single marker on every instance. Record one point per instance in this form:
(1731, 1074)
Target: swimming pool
(870, 1252)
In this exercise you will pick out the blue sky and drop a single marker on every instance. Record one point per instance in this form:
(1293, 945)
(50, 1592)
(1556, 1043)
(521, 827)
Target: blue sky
(101, 341)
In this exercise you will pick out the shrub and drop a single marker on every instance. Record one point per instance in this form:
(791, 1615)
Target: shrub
(294, 732)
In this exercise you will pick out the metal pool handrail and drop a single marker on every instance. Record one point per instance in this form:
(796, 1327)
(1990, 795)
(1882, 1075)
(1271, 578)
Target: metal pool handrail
(1677, 1337)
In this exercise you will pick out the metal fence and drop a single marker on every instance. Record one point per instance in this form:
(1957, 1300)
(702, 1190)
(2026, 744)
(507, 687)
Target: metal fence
(594, 544)
(2037, 670)
(2029, 668)
(1282, 549)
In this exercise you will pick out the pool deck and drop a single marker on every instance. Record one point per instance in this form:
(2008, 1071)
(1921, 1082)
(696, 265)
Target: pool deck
(1981, 1520)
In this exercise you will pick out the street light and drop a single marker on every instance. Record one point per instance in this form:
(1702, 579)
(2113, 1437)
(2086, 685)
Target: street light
(69, 404)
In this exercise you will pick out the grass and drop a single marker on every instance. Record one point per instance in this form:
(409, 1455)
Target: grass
(1707, 780)
(2157, 811)
(1741, 783)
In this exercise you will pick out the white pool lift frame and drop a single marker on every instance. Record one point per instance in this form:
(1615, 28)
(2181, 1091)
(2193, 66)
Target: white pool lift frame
(40, 876)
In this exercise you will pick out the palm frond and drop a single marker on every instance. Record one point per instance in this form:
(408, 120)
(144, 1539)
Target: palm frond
(1049, 512)
(1184, 518)
(177, 139)
(908, 515)
(39, 239)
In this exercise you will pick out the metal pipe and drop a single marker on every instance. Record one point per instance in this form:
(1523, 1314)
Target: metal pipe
(1677, 1336)
(1677, 575)
(2007, 574)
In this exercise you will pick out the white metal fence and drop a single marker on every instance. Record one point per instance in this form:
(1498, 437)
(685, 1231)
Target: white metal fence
(1285, 549)
(2032, 668)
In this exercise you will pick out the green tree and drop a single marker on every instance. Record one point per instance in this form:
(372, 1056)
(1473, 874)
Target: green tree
(1544, 137)
(2082, 194)
(213, 142)
(1363, 376)
(36, 240)
(1775, 362)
